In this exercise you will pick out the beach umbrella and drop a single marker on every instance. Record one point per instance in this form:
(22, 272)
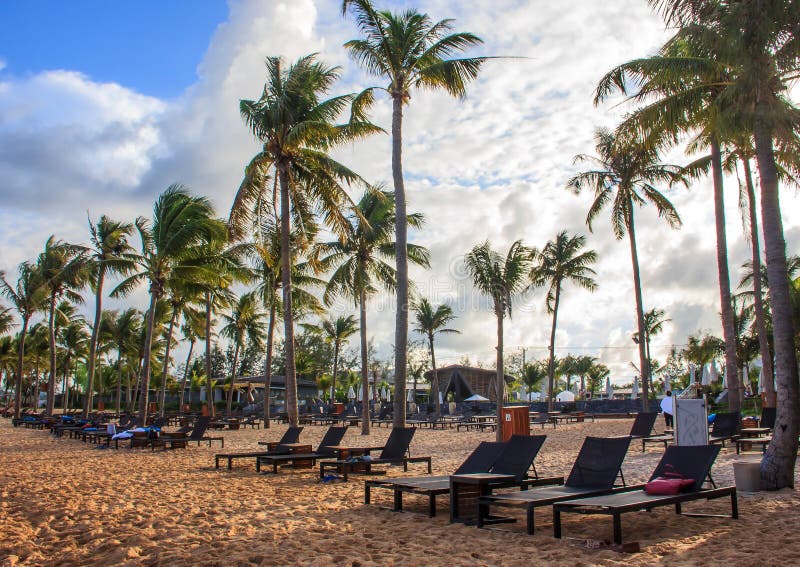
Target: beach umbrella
(705, 377)
(609, 389)
(692, 371)
(410, 396)
(635, 389)
(543, 394)
(713, 375)
(760, 380)
(441, 398)
(476, 398)
(371, 393)
(388, 395)
(351, 394)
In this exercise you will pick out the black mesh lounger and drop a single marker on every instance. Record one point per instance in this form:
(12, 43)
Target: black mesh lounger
(395, 452)
(643, 425)
(594, 472)
(332, 437)
(693, 462)
(726, 428)
(292, 435)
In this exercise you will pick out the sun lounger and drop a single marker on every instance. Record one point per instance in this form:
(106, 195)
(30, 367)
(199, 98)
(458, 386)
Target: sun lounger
(643, 425)
(332, 437)
(198, 433)
(292, 435)
(594, 472)
(395, 452)
(692, 462)
(726, 428)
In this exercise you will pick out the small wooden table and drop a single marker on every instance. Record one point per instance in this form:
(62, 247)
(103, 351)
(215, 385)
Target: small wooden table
(466, 489)
(344, 452)
(755, 431)
(297, 449)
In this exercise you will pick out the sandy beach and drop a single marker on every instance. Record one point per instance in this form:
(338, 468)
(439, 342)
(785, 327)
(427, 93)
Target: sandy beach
(63, 502)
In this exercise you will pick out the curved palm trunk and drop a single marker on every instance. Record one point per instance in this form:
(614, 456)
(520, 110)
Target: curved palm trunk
(401, 258)
(335, 370)
(51, 379)
(165, 371)
(758, 304)
(90, 366)
(148, 345)
(20, 362)
(209, 389)
(777, 467)
(726, 308)
(551, 363)
(186, 375)
(364, 370)
(500, 386)
(286, 281)
(637, 288)
(268, 363)
(229, 404)
(119, 378)
(435, 382)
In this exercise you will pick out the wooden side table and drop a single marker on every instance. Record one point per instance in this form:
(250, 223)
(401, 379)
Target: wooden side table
(466, 489)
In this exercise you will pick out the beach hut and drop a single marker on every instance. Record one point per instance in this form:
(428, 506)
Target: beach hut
(464, 381)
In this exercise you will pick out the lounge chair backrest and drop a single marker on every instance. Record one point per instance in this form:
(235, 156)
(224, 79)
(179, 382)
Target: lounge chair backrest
(693, 461)
(332, 437)
(518, 455)
(726, 424)
(397, 445)
(767, 418)
(482, 458)
(200, 427)
(643, 424)
(598, 462)
(384, 412)
(543, 417)
(292, 435)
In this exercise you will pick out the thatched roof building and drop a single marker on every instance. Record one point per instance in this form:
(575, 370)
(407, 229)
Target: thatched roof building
(464, 381)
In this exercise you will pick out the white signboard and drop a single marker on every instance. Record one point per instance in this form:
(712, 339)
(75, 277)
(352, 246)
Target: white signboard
(691, 422)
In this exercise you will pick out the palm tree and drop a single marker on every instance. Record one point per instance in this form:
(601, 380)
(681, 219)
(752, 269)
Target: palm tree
(409, 51)
(534, 373)
(560, 261)
(74, 338)
(190, 332)
(336, 331)
(296, 129)
(624, 176)
(61, 266)
(501, 279)
(653, 324)
(6, 320)
(246, 320)
(360, 255)
(28, 297)
(172, 246)
(430, 322)
(123, 329)
(108, 254)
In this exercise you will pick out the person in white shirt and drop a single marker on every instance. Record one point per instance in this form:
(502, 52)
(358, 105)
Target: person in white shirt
(666, 408)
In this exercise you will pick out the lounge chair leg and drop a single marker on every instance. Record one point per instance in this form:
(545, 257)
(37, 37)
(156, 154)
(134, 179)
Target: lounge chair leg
(432, 506)
(556, 522)
(230, 461)
(617, 529)
(734, 506)
(678, 508)
(398, 501)
(367, 493)
(529, 521)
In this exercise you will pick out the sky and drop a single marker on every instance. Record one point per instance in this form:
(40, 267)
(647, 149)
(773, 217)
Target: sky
(103, 105)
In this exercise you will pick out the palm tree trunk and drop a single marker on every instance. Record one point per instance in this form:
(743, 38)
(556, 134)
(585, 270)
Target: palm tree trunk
(286, 282)
(268, 363)
(186, 375)
(90, 366)
(637, 288)
(362, 303)
(435, 382)
(500, 386)
(726, 308)
(551, 363)
(51, 380)
(20, 361)
(209, 388)
(401, 258)
(64, 388)
(229, 404)
(119, 378)
(148, 345)
(777, 467)
(758, 302)
(165, 371)
(335, 370)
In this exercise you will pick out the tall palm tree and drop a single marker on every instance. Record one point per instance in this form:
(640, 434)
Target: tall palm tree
(172, 246)
(561, 260)
(123, 329)
(624, 176)
(191, 331)
(108, 254)
(28, 297)
(336, 331)
(501, 278)
(61, 266)
(431, 322)
(409, 51)
(297, 129)
(360, 256)
(245, 321)
(6, 320)
(74, 340)
(654, 320)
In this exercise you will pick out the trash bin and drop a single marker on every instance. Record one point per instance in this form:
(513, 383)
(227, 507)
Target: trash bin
(515, 421)
(747, 475)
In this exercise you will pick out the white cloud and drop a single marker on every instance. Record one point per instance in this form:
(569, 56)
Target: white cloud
(491, 166)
